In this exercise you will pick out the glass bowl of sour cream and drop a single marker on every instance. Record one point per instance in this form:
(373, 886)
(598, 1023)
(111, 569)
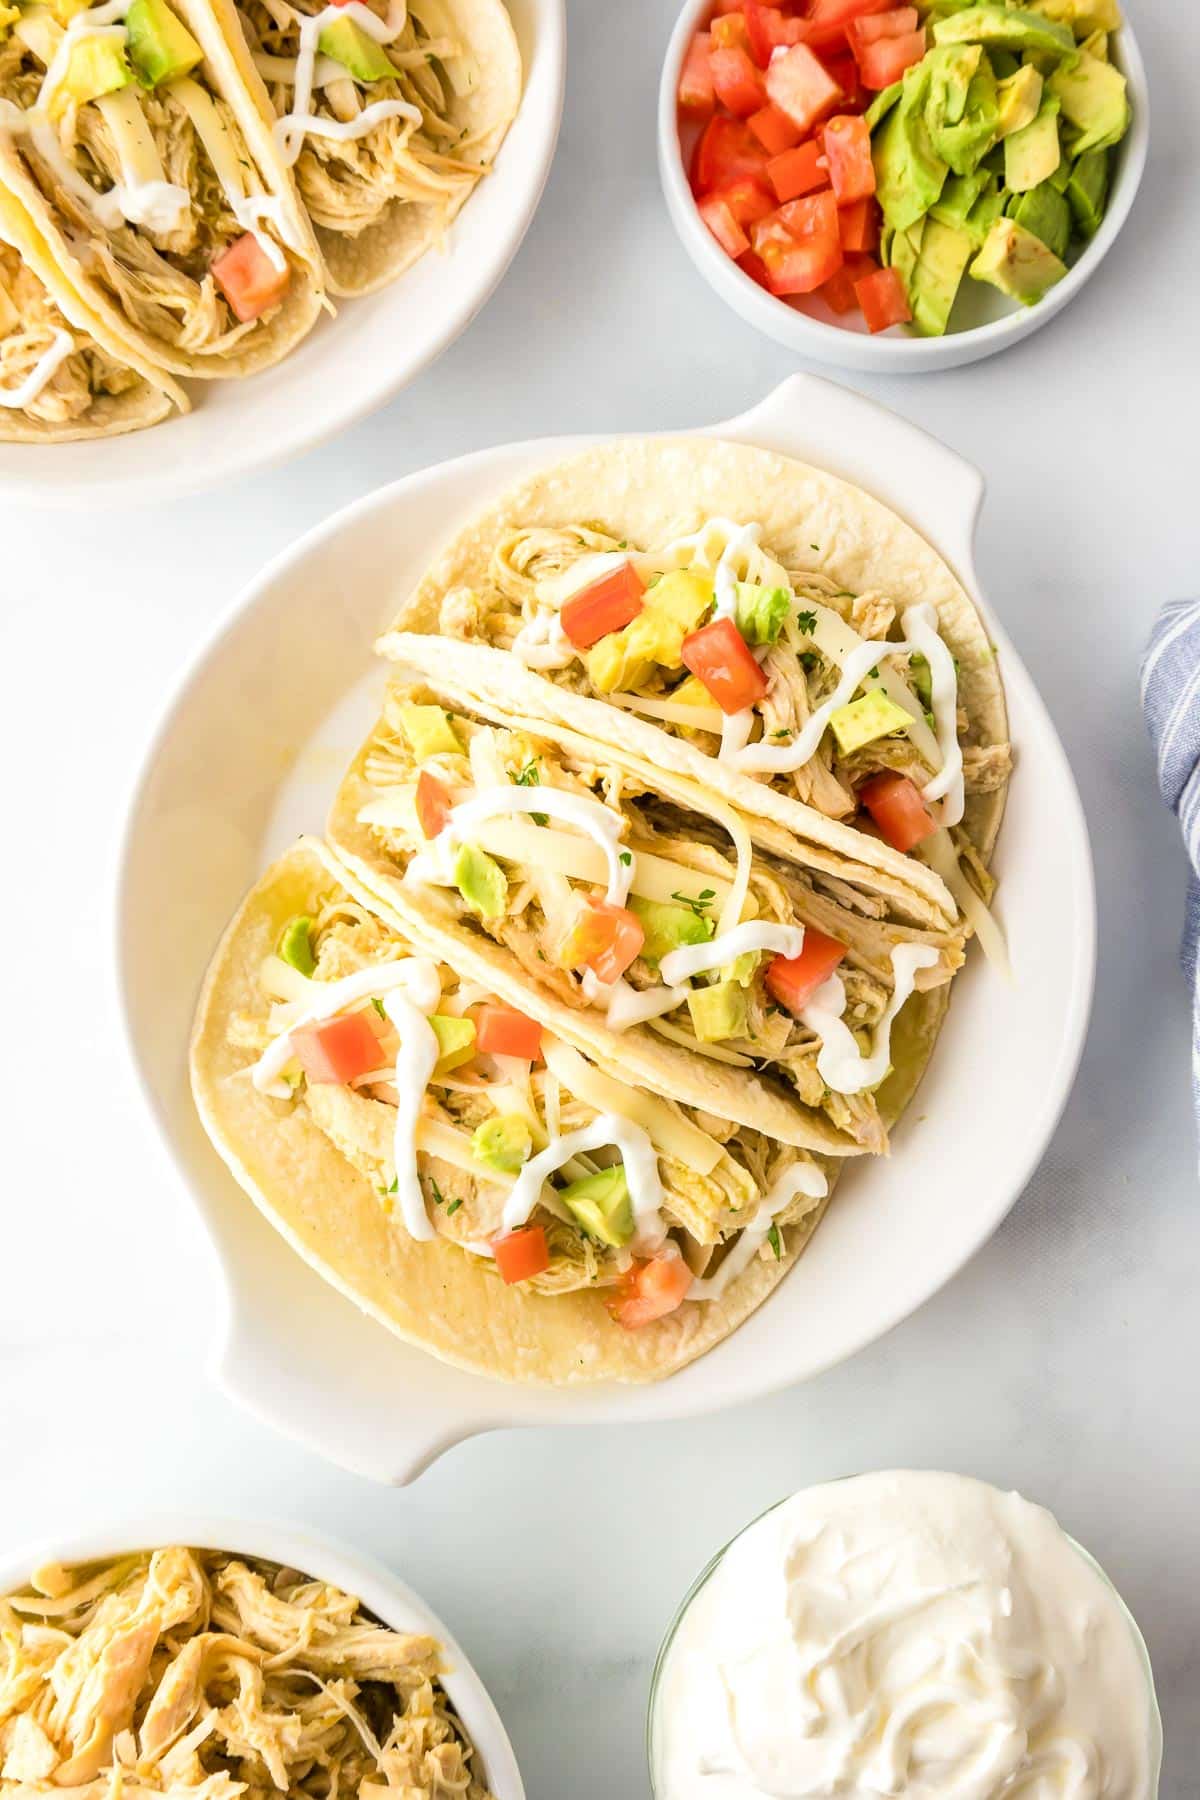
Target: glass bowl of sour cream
(907, 1632)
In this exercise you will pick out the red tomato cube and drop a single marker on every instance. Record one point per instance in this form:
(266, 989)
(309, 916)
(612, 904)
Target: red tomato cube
(828, 20)
(773, 129)
(798, 171)
(883, 299)
(747, 199)
(897, 23)
(603, 606)
(847, 146)
(336, 1050)
(726, 152)
(858, 226)
(521, 1254)
(768, 29)
(886, 59)
(793, 980)
(729, 32)
(720, 221)
(736, 82)
(801, 86)
(433, 804)
(718, 654)
(695, 78)
(898, 808)
(249, 279)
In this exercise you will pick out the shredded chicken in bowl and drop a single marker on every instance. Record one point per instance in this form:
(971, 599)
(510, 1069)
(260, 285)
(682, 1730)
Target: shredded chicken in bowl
(199, 1675)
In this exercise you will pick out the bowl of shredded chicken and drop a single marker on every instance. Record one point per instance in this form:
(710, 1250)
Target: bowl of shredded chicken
(205, 1674)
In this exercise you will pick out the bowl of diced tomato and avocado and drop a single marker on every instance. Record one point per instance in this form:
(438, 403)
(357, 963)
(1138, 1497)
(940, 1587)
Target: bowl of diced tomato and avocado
(882, 184)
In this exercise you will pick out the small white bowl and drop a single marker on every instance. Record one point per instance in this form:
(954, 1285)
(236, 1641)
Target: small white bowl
(381, 1592)
(990, 322)
(347, 366)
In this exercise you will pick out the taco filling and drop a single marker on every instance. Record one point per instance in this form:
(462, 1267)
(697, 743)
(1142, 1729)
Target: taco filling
(52, 374)
(476, 1125)
(842, 701)
(364, 96)
(146, 172)
(630, 907)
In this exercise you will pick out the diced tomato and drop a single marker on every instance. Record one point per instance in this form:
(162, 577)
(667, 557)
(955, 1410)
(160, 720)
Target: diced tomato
(897, 807)
(729, 32)
(845, 72)
(896, 23)
(858, 225)
(798, 171)
(816, 215)
(847, 145)
(249, 279)
(720, 221)
(433, 803)
(753, 265)
(793, 980)
(336, 1050)
(746, 199)
(736, 82)
(720, 657)
(605, 605)
(886, 59)
(838, 291)
(828, 19)
(651, 1290)
(883, 299)
(801, 86)
(725, 153)
(603, 938)
(695, 78)
(800, 244)
(521, 1254)
(503, 1031)
(773, 129)
(767, 29)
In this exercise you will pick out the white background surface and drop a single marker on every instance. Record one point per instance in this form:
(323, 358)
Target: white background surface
(1065, 1360)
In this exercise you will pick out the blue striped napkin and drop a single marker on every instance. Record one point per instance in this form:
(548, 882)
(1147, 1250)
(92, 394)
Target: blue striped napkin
(1171, 699)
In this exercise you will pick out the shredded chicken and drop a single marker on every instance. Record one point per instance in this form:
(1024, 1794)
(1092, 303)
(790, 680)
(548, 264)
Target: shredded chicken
(196, 1675)
(28, 321)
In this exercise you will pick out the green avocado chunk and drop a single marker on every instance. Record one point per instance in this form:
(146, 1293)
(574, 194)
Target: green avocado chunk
(668, 927)
(909, 173)
(347, 43)
(429, 731)
(719, 1011)
(1044, 212)
(959, 196)
(1087, 190)
(1094, 99)
(1082, 16)
(161, 47)
(96, 66)
(1008, 27)
(602, 1205)
(882, 104)
(761, 611)
(456, 1041)
(481, 882)
(942, 262)
(1019, 98)
(964, 141)
(295, 944)
(1017, 263)
(625, 660)
(502, 1143)
(1032, 154)
(874, 715)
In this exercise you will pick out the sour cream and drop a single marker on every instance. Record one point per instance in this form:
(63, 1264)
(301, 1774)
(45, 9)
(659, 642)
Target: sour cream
(801, 1178)
(589, 817)
(606, 1131)
(907, 1634)
(415, 1062)
(417, 974)
(756, 935)
(840, 1063)
(61, 346)
(542, 643)
(290, 131)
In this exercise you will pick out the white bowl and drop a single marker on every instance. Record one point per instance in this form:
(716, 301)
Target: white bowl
(988, 320)
(347, 366)
(248, 755)
(383, 1593)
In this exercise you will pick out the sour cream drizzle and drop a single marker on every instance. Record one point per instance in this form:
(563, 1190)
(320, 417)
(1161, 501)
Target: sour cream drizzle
(590, 817)
(840, 1063)
(415, 1062)
(920, 626)
(756, 935)
(608, 1130)
(290, 131)
(418, 974)
(542, 643)
(801, 1178)
(62, 346)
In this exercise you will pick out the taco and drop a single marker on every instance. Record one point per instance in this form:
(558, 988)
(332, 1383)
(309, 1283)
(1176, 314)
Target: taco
(388, 114)
(714, 952)
(748, 621)
(121, 138)
(58, 379)
(423, 1131)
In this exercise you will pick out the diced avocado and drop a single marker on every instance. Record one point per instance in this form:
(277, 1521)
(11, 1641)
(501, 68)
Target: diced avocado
(1019, 99)
(963, 143)
(1062, 175)
(1003, 62)
(983, 215)
(719, 1011)
(295, 944)
(503, 1143)
(862, 721)
(429, 731)
(1044, 212)
(761, 611)
(882, 104)
(951, 71)
(602, 1205)
(958, 197)
(1017, 263)
(668, 927)
(1008, 27)
(904, 250)
(743, 968)
(347, 43)
(945, 253)
(63, 11)
(1094, 99)
(456, 1041)
(1096, 45)
(1032, 154)
(692, 692)
(97, 66)
(1082, 16)
(160, 45)
(1087, 190)
(625, 660)
(909, 173)
(481, 882)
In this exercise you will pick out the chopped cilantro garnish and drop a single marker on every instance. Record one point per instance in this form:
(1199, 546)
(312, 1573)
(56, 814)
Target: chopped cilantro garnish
(773, 1239)
(814, 546)
(530, 776)
(806, 621)
(783, 732)
(626, 857)
(378, 1005)
(439, 1199)
(697, 903)
(455, 1204)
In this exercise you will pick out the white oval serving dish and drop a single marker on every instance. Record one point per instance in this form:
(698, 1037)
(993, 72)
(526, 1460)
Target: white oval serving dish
(347, 366)
(248, 754)
(383, 1593)
(988, 320)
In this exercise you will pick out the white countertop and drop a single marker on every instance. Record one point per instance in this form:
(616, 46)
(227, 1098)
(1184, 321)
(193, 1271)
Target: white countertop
(1064, 1361)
